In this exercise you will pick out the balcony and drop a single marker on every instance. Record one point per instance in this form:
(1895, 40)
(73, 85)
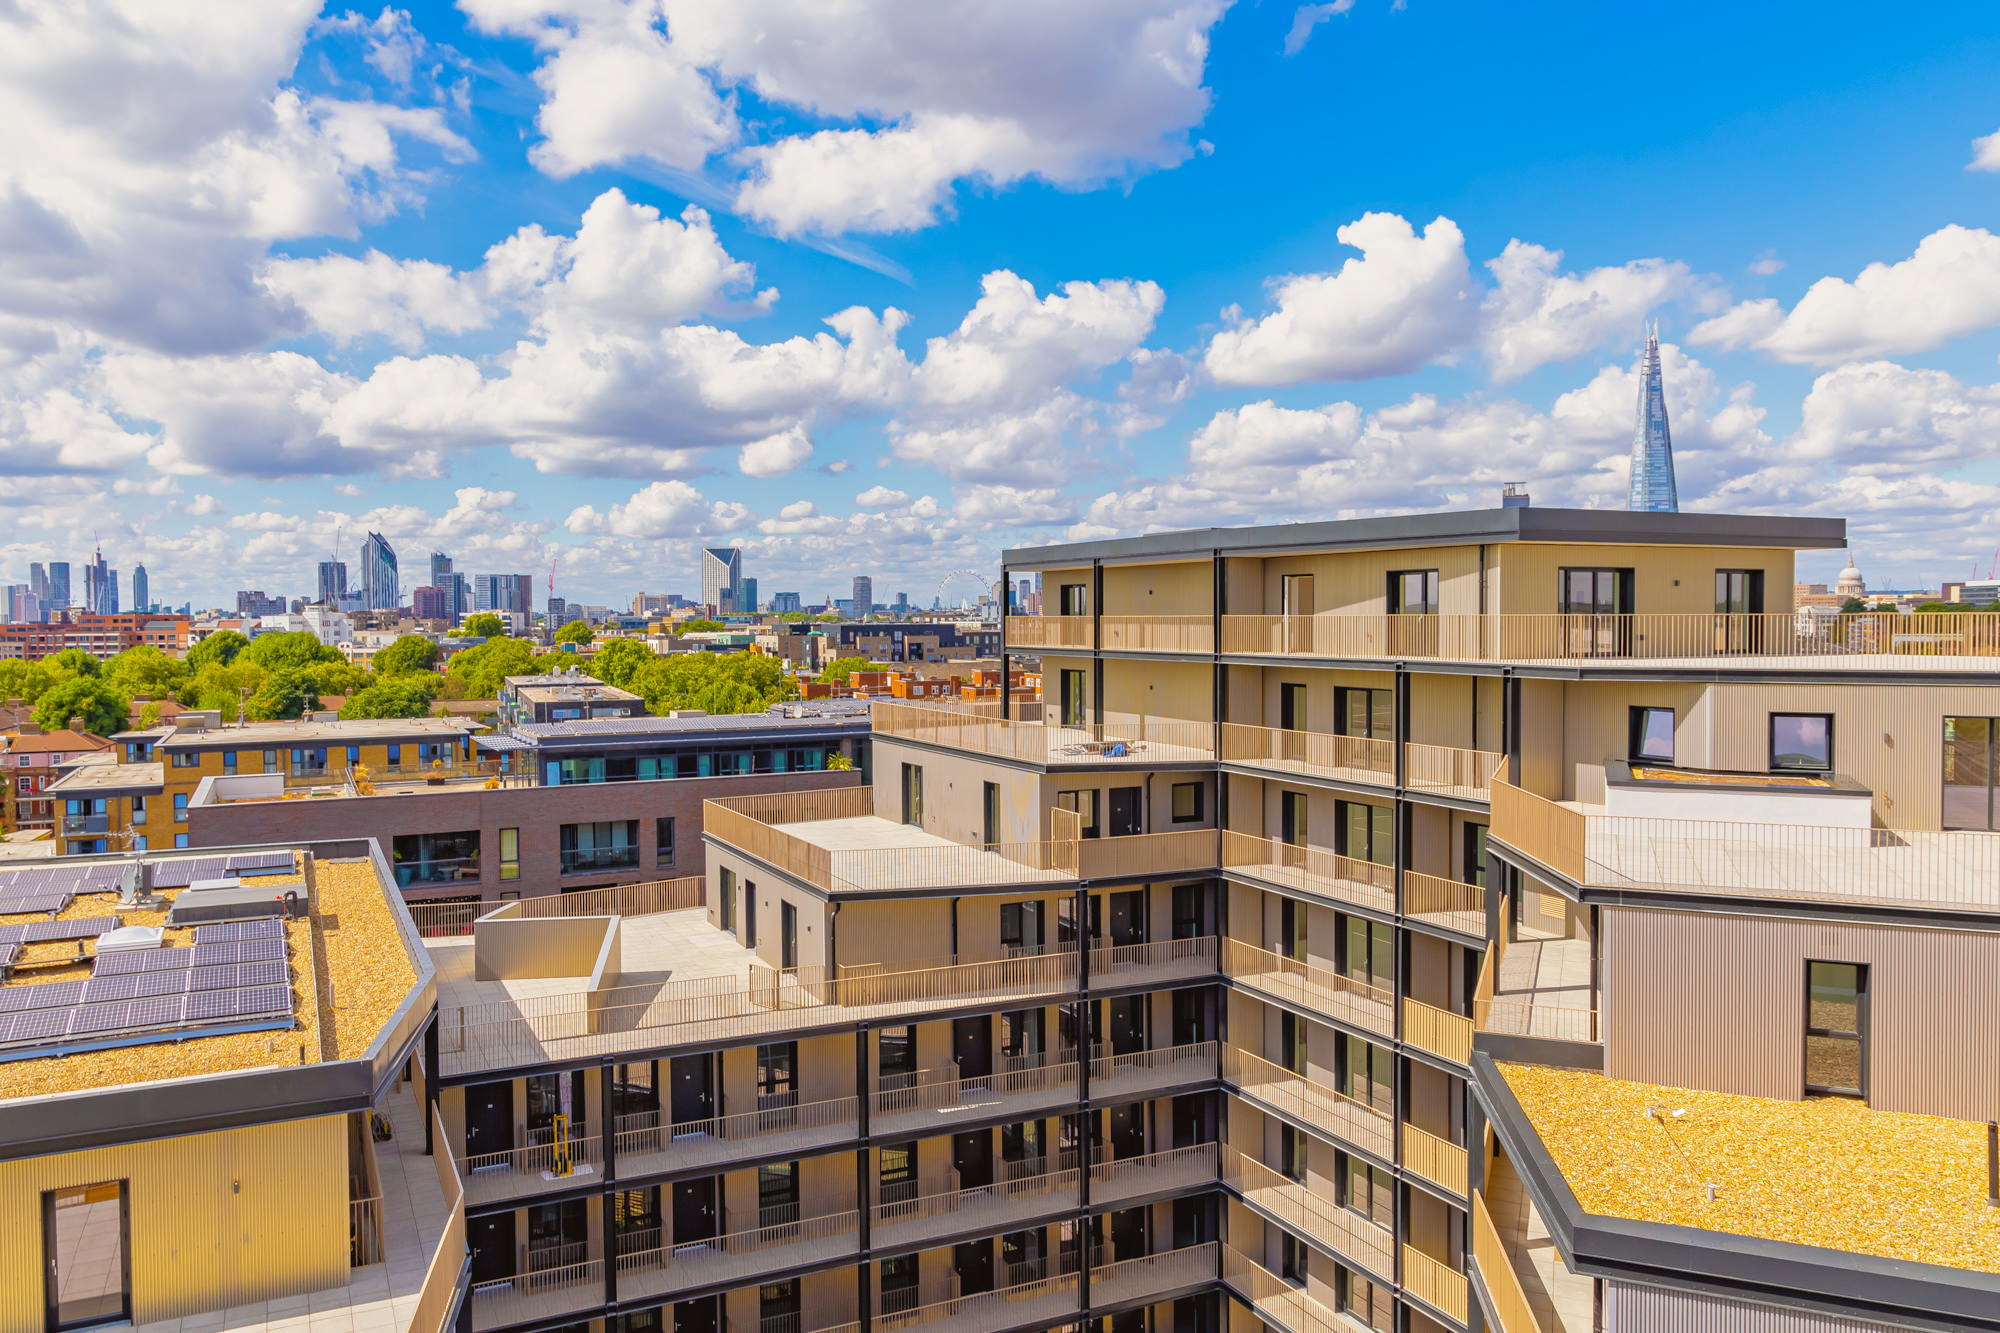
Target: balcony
(592, 859)
(538, 1293)
(1310, 753)
(1316, 989)
(1877, 867)
(1136, 741)
(1442, 770)
(1050, 633)
(1155, 634)
(1445, 902)
(1153, 1072)
(1280, 1090)
(538, 1169)
(833, 840)
(1867, 641)
(1279, 1303)
(1435, 1283)
(934, 1097)
(649, 1266)
(1312, 870)
(437, 871)
(1359, 1239)
(76, 826)
(1176, 1169)
(1186, 852)
(1155, 963)
(1439, 1031)
(1536, 986)
(646, 1145)
(1009, 1203)
(1437, 1160)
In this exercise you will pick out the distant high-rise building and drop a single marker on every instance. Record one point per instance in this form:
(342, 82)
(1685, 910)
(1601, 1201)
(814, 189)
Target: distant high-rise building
(58, 583)
(100, 590)
(23, 606)
(332, 581)
(784, 603)
(864, 594)
(902, 602)
(440, 567)
(1652, 448)
(504, 592)
(747, 598)
(380, 589)
(552, 617)
(38, 581)
(431, 603)
(142, 595)
(721, 577)
(652, 604)
(254, 603)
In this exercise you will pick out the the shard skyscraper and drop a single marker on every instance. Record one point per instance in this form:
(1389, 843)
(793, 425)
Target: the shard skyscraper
(1652, 447)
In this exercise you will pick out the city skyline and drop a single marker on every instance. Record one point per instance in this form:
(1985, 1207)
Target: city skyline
(1035, 337)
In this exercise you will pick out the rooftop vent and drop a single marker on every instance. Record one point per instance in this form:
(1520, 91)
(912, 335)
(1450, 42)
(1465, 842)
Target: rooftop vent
(126, 938)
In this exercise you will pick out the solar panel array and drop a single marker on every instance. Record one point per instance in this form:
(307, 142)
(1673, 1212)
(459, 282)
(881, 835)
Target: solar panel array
(235, 975)
(183, 871)
(47, 932)
(50, 888)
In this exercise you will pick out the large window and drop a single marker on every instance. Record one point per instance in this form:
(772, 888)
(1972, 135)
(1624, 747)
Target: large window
(1739, 592)
(1413, 592)
(1359, 712)
(1292, 818)
(1802, 742)
(777, 1067)
(1021, 928)
(1367, 951)
(777, 1194)
(1187, 803)
(1073, 599)
(1595, 592)
(87, 1231)
(663, 842)
(510, 853)
(1366, 1190)
(1292, 707)
(1837, 1029)
(899, 1171)
(1367, 1073)
(725, 905)
(1073, 694)
(1971, 749)
(913, 795)
(435, 858)
(896, 1057)
(611, 845)
(1650, 736)
(1364, 832)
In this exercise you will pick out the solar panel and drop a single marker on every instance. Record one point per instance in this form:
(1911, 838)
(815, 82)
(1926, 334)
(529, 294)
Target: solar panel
(158, 983)
(45, 932)
(8, 952)
(261, 974)
(48, 995)
(123, 961)
(261, 863)
(264, 1000)
(210, 1005)
(39, 1024)
(238, 951)
(94, 1018)
(100, 989)
(39, 900)
(154, 1011)
(15, 998)
(170, 960)
(222, 932)
(213, 978)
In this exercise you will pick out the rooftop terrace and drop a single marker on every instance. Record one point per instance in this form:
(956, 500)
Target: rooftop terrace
(1824, 1172)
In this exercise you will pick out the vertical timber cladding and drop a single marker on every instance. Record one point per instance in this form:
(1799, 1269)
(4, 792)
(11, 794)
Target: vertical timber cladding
(1668, 580)
(1640, 1309)
(217, 1220)
(1704, 1000)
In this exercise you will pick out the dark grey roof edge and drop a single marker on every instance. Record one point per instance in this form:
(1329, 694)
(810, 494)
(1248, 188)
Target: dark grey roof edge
(1751, 1268)
(1450, 528)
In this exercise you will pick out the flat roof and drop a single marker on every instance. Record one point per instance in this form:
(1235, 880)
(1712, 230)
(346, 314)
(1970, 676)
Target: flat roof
(670, 728)
(262, 735)
(106, 779)
(1827, 1172)
(575, 691)
(659, 947)
(354, 931)
(1471, 527)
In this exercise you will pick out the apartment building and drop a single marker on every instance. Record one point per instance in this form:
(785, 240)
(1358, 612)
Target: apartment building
(102, 636)
(33, 761)
(211, 1098)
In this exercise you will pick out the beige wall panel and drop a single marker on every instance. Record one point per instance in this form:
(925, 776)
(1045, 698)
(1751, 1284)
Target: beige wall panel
(1434, 832)
(199, 1243)
(1243, 695)
(1709, 1001)
(1243, 586)
(1321, 700)
(1444, 710)
(1357, 582)
(896, 931)
(1666, 579)
(1183, 588)
(826, 1068)
(1630, 1308)
(1542, 759)
(1431, 970)
(1184, 691)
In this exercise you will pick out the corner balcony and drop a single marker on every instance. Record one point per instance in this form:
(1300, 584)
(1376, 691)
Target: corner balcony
(1317, 990)
(1532, 984)
(1122, 742)
(1314, 870)
(1846, 862)
(1279, 1303)
(1277, 1089)
(1315, 754)
(1362, 1240)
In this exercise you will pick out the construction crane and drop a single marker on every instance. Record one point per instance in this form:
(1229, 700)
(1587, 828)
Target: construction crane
(335, 557)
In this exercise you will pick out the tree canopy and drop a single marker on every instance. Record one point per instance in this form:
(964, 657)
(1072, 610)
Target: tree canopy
(713, 682)
(74, 662)
(576, 631)
(290, 652)
(617, 660)
(840, 670)
(101, 707)
(485, 625)
(408, 654)
(400, 696)
(284, 694)
(220, 647)
(485, 668)
(699, 627)
(146, 670)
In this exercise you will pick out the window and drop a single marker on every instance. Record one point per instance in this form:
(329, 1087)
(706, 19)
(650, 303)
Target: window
(139, 843)
(186, 759)
(435, 858)
(1187, 802)
(1022, 1035)
(1364, 832)
(1475, 854)
(270, 761)
(778, 1302)
(353, 755)
(1802, 742)
(1363, 1300)
(1021, 1141)
(1291, 707)
(1595, 592)
(896, 1057)
(510, 853)
(1292, 1261)
(1073, 599)
(899, 1171)
(1970, 745)
(87, 1232)
(788, 935)
(1370, 713)
(1367, 951)
(1292, 818)
(1651, 736)
(138, 810)
(1292, 929)
(1739, 592)
(228, 761)
(1366, 1190)
(1072, 698)
(913, 795)
(395, 755)
(776, 1065)
(1292, 1034)
(1413, 592)
(663, 842)
(180, 807)
(1367, 1073)
(990, 810)
(1021, 928)
(1837, 1029)
(610, 845)
(180, 839)
(1292, 1153)
(1085, 804)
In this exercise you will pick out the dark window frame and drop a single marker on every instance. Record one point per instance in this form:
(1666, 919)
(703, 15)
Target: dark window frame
(1197, 805)
(1771, 744)
(1431, 586)
(1859, 1036)
(1635, 731)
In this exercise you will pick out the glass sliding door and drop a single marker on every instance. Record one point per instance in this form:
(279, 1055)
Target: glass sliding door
(1971, 749)
(86, 1235)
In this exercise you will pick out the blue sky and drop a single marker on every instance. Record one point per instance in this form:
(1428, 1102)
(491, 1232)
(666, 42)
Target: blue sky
(966, 276)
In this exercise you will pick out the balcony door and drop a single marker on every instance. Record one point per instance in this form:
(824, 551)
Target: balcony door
(1295, 603)
(1739, 607)
(1971, 756)
(1596, 605)
(86, 1234)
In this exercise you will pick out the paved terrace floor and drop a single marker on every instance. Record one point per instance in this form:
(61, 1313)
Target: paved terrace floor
(872, 854)
(1543, 989)
(667, 946)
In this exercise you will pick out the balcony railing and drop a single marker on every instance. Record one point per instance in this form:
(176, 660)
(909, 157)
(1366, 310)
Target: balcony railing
(1448, 771)
(1152, 634)
(1321, 990)
(1173, 1168)
(520, 1171)
(1906, 640)
(436, 870)
(1434, 1282)
(447, 919)
(447, 1265)
(1445, 902)
(646, 1267)
(933, 1091)
(1361, 1123)
(1125, 964)
(587, 859)
(1363, 1240)
(1321, 754)
(78, 825)
(1438, 1031)
(1148, 854)
(1437, 1160)
(1001, 1205)
(1280, 1303)
(1161, 1067)
(642, 1135)
(1049, 632)
(364, 1232)
(1310, 870)
(1904, 868)
(1136, 740)
(1495, 1272)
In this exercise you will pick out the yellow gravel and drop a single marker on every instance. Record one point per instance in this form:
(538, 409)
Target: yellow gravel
(1827, 1172)
(362, 952)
